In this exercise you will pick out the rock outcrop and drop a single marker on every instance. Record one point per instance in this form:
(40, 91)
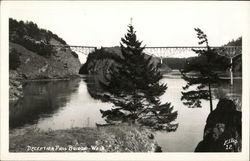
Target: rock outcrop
(33, 55)
(100, 61)
(15, 90)
(222, 132)
(62, 64)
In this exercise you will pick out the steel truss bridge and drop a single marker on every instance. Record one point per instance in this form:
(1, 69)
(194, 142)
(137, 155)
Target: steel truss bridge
(171, 51)
(166, 52)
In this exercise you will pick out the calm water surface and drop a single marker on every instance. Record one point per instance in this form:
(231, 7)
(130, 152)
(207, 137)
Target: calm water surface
(65, 104)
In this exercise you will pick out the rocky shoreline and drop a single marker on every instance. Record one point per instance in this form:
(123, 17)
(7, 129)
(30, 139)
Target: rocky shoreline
(223, 129)
(15, 86)
(33, 67)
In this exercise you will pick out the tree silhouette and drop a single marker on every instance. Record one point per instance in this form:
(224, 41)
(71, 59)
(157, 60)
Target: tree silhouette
(134, 89)
(204, 77)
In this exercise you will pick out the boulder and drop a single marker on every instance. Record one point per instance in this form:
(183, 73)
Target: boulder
(222, 132)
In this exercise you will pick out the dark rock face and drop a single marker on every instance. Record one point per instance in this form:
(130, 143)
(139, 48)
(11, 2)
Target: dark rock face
(100, 62)
(222, 132)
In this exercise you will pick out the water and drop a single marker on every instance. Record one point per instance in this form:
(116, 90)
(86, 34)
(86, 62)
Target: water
(191, 121)
(65, 104)
(56, 105)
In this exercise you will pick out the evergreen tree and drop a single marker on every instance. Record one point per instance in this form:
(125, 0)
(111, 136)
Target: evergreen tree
(205, 76)
(134, 89)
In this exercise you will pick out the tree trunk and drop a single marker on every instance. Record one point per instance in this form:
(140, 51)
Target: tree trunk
(210, 97)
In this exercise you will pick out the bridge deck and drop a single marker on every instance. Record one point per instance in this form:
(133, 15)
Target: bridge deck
(165, 51)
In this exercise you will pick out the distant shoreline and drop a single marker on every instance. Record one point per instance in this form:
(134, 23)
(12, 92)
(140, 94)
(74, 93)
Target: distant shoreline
(171, 75)
(177, 74)
(51, 79)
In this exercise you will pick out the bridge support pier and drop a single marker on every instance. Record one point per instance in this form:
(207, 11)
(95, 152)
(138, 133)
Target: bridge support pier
(231, 72)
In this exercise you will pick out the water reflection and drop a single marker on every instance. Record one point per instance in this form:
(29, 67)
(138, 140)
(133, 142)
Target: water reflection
(142, 107)
(56, 105)
(94, 87)
(41, 99)
(226, 90)
(191, 120)
(66, 104)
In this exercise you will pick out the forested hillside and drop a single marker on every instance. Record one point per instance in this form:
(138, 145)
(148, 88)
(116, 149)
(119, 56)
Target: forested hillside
(30, 36)
(33, 55)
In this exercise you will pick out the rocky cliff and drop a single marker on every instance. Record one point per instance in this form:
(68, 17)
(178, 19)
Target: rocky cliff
(62, 64)
(222, 132)
(100, 61)
(33, 55)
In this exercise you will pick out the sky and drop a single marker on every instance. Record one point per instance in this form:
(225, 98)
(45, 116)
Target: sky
(159, 23)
